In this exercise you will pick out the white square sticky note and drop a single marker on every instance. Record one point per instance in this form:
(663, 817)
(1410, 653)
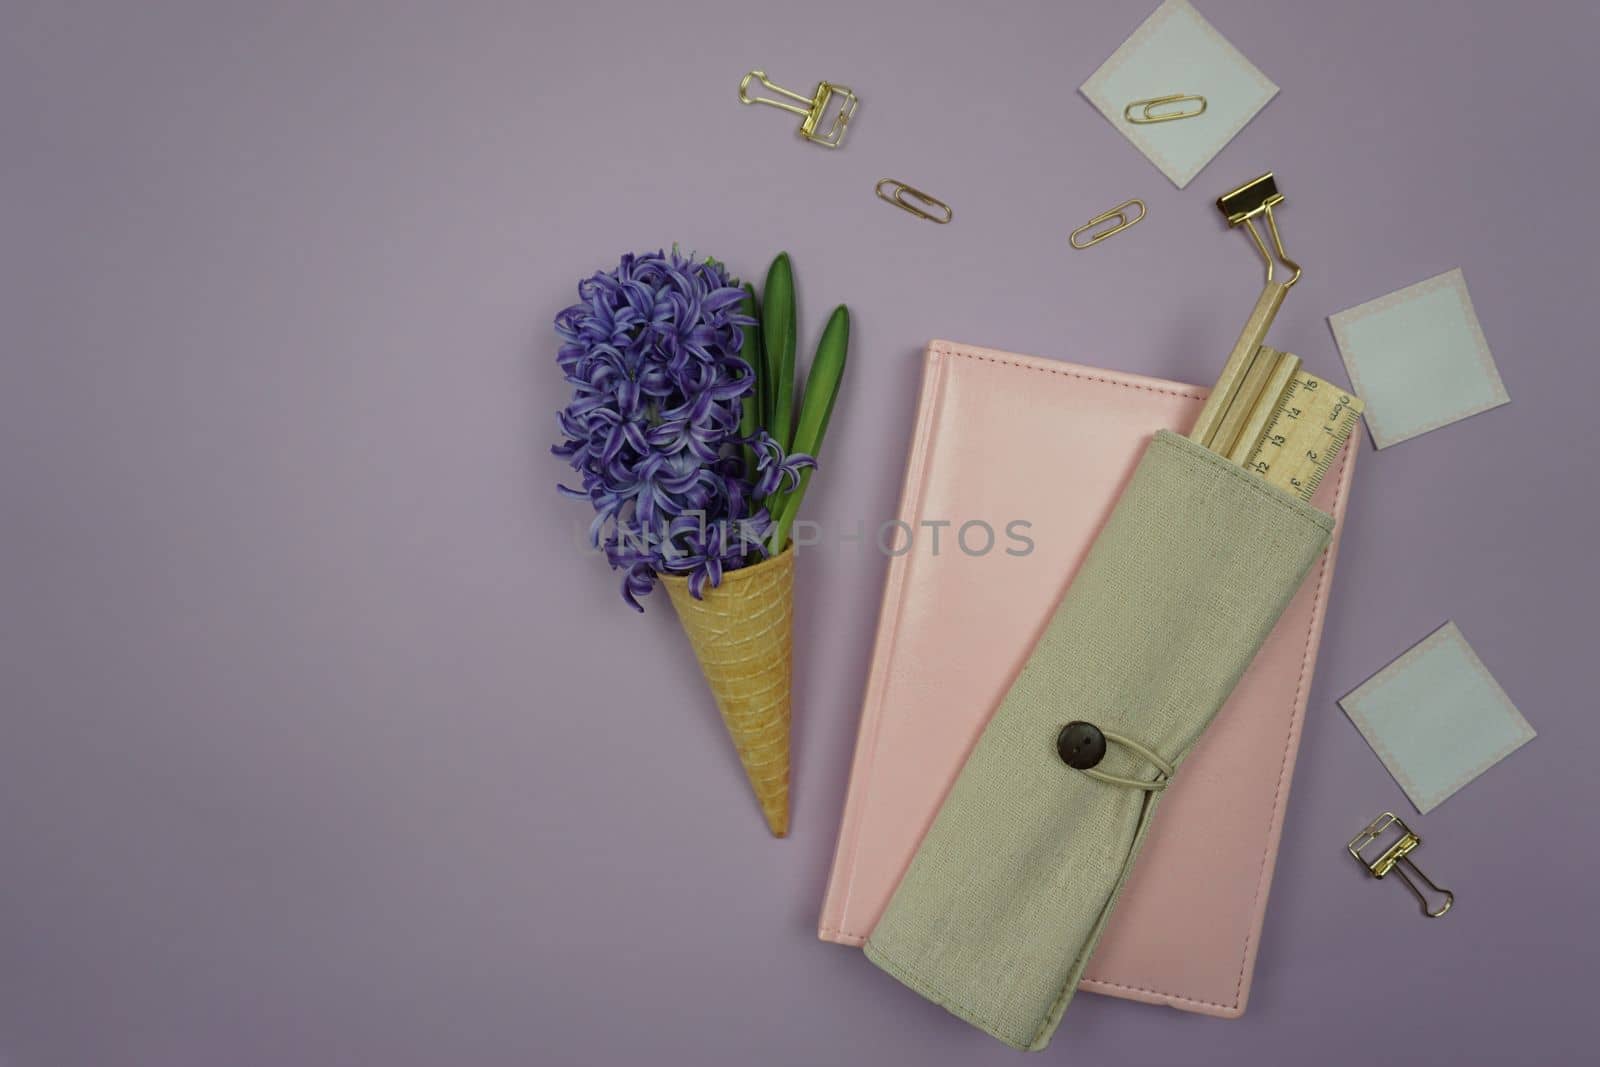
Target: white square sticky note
(1418, 359)
(1437, 718)
(1178, 51)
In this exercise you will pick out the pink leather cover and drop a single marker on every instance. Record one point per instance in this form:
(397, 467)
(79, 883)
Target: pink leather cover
(1001, 437)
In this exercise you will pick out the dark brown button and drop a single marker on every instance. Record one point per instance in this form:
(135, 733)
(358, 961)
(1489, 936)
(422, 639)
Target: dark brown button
(1081, 745)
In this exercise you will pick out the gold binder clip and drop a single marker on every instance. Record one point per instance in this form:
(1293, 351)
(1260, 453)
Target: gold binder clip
(915, 201)
(1148, 113)
(1397, 858)
(1266, 413)
(809, 108)
(1253, 198)
(1259, 197)
(1118, 213)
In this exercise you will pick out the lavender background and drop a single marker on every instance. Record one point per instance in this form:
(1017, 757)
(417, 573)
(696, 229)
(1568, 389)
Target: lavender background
(322, 745)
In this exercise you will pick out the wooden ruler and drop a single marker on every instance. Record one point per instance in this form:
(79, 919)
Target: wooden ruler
(1285, 424)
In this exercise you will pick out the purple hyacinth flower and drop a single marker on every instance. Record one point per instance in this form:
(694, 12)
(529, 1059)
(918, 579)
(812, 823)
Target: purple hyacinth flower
(651, 351)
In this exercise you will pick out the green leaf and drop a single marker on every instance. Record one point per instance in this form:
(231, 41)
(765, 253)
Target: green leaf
(822, 390)
(778, 332)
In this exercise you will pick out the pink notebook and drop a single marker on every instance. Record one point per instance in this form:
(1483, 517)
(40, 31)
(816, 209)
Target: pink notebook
(1002, 438)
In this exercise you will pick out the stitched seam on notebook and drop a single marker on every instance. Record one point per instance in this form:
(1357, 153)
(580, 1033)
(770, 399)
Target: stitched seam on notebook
(1106, 984)
(949, 350)
(1063, 372)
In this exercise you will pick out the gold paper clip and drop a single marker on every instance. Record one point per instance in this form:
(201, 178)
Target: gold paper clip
(809, 108)
(915, 201)
(1148, 113)
(1119, 213)
(1397, 858)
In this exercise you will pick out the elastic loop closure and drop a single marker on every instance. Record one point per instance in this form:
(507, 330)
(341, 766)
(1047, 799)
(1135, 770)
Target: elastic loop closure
(1166, 769)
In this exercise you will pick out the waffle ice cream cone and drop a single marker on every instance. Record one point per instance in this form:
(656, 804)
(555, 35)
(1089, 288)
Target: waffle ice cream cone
(741, 635)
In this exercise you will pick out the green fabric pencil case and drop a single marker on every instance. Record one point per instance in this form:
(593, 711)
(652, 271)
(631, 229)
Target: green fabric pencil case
(1007, 895)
